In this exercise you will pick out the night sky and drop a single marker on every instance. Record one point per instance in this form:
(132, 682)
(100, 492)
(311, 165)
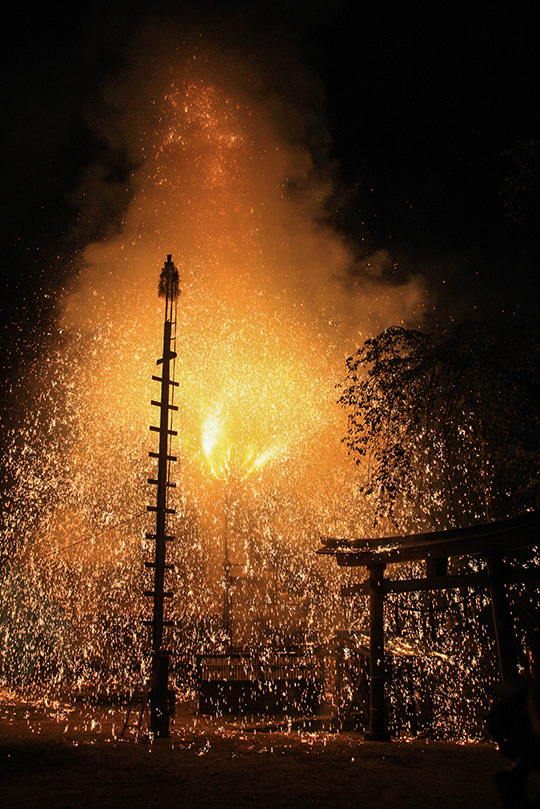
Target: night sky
(425, 104)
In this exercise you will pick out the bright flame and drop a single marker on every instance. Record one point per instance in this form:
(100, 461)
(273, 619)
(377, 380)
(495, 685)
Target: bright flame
(210, 434)
(226, 182)
(237, 456)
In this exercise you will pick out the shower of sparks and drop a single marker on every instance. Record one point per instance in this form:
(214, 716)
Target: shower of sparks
(261, 339)
(241, 455)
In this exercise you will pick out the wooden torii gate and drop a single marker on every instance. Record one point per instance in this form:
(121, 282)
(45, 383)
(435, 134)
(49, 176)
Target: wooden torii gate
(494, 542)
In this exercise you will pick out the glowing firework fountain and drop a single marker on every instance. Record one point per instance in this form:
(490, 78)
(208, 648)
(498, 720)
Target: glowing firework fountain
(159, 695)
(277, 298)
(231, 469)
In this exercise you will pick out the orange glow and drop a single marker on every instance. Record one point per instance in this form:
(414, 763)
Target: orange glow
(229, 451)
(273, 300)
(226, 183)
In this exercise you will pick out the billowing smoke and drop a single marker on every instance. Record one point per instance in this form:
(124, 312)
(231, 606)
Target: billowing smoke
(231, 174)
(220, 156)
(231, 169)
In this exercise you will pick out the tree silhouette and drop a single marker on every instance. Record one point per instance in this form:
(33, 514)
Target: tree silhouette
(447, 428)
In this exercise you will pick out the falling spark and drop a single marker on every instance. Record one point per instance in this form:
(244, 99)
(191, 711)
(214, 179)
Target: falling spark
(240, 459)
(264, 323)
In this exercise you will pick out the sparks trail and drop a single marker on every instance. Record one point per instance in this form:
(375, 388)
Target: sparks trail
(264, 325)
(92, 537)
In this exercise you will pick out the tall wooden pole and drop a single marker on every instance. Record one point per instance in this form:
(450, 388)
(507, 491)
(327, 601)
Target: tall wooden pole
(159, 689)
(505, 633)
(377, 711)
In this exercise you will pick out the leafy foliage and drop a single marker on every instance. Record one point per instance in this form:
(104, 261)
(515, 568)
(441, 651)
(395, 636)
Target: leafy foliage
(448, 428)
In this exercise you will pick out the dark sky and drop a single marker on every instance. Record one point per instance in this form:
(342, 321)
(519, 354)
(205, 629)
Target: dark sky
(423, 101)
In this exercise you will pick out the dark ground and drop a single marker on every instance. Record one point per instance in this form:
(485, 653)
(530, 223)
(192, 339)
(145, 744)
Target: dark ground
(55, 754)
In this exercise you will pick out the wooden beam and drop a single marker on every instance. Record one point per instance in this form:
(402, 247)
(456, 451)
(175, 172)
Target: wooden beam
(168, 457)
(377, 714)
(479, 546)
(416, 585)
(505, 632)
(158, 404)
(529, 520)
(171, 382)
(455, 581)
(160, 429)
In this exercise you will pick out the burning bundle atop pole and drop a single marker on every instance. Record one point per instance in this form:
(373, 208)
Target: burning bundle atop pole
(160, 703)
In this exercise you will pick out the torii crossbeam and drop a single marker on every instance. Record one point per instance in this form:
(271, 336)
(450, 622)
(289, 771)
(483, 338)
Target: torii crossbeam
(491, 541)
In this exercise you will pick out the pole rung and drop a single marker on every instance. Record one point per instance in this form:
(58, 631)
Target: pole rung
(154, 536)
(148, 622)
(170, 356)
(156, 483)
(167, 457)
(151, 623)
(171, 382)
(158, 430)
(166, 510)
(166, 565)
(158, 404)
(151, 593)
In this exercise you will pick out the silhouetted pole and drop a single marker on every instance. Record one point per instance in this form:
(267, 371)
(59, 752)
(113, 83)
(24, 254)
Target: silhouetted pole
(377, 712)
(505, 633)
(159, 688)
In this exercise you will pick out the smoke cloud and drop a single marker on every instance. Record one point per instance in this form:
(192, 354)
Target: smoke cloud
(218, 153)
(230, 171)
